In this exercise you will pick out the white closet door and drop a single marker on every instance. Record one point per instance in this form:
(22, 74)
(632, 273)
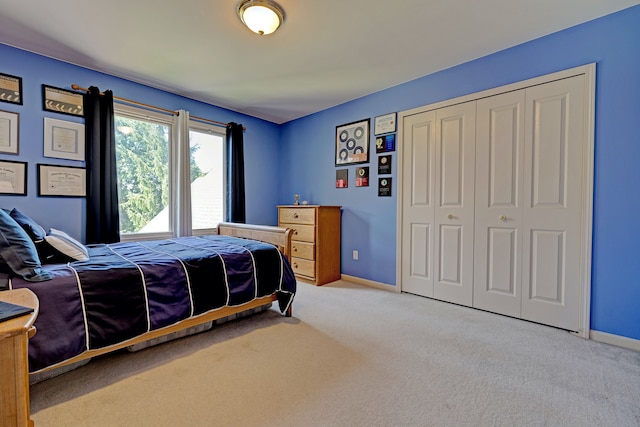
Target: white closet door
(553, 188)
(418, 172)
(454, 195)
(498, 205)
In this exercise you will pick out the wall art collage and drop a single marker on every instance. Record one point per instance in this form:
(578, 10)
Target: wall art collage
(352, 148)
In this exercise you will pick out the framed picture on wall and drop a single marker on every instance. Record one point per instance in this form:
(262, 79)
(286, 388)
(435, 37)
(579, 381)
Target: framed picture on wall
(63, 139)
(352, 143)
(62, 101)
(9, 132)
(13, 178)
(61, 181)
(10, 89)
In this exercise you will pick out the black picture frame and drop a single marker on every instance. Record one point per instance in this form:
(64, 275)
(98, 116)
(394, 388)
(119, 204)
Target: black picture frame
(62, 101)
(352, 143)
(10, 89)
(61, 181)
(13, 178)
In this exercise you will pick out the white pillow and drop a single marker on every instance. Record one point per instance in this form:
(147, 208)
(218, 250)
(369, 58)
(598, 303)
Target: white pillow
(67, 245)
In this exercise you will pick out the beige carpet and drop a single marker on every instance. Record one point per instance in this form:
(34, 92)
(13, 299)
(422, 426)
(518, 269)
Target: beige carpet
(355, 356)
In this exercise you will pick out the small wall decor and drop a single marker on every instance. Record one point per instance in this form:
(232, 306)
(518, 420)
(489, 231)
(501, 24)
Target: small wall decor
(384, 187)
(61, 181)
(342, 178)
(13, 178)
(62, 101)
(385, 124)
(10, 89)
(352, 143)
(63, 140)
(384, 165)
(362, 176)
(386, 143)
(9, 130)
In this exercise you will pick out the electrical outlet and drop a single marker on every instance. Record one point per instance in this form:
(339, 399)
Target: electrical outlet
(355, 255)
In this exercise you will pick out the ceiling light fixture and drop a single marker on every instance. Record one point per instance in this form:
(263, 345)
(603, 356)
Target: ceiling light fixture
(261, 16)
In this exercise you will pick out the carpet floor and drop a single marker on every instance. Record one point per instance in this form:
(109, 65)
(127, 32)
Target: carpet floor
(355, 356)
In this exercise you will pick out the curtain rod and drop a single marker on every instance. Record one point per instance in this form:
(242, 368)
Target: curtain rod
(153, 107)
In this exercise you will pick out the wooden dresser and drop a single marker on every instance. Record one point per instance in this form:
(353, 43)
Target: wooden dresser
(14, 364)
(315, 241)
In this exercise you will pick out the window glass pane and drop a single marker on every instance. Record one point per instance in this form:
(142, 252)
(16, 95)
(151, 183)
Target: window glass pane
(207, 179)
(142, 157)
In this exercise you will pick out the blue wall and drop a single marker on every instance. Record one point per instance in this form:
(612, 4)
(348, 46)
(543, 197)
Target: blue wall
(261, 137)
(369, 221)
(298, 157)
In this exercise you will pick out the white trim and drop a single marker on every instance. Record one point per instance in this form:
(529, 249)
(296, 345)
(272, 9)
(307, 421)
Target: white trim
(369, 283)
(617, 340)
(589, 71)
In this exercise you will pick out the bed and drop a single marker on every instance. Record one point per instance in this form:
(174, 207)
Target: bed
(128, 293)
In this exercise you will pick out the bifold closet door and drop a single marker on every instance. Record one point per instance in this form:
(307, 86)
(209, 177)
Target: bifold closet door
(553, 191)
(418, 209)
(454, 196)
(498, 206)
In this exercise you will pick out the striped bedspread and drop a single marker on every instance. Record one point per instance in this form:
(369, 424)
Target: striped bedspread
(126, 289)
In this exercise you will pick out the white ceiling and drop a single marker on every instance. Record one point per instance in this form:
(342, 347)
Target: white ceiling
(327, 52)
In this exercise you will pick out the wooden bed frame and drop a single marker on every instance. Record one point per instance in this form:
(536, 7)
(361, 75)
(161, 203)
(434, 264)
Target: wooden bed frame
(280, 237)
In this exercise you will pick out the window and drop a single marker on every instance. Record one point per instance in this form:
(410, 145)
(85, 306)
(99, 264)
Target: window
(148, 187)
(142, 158)
(206, 145)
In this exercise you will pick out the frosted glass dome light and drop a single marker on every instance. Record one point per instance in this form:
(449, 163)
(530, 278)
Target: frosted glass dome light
(261, 16)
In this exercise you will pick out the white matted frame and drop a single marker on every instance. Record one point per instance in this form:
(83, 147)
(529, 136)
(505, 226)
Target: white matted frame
(9, 132)
(13, 178)
(63, 139)
(62, 181)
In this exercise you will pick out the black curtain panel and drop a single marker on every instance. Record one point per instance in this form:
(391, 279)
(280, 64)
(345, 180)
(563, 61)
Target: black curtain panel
(235, 174)
(103, 222)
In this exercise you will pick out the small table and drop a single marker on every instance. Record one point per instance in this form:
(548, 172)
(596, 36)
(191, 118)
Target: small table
(14, 360)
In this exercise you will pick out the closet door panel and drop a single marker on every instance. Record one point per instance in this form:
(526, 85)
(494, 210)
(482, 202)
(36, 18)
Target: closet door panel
(498, 204)
(553, 191)
(455, 165)
(418, 160)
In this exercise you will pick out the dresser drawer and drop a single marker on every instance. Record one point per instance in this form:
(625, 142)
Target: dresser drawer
(303, 267)
(303, 250)
(298, 215)
(303, 233)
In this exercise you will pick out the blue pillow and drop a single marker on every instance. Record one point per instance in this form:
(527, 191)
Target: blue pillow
(33, 229)
(18, 252)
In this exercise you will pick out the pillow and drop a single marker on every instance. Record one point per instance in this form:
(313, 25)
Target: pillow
(67, 245)
(18, 251)
(33, 229)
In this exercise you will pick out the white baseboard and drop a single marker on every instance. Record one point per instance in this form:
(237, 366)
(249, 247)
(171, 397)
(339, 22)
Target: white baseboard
(370, 283)
(616, 340)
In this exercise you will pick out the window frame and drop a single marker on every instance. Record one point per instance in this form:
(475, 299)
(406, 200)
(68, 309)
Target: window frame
(139, 113)
(165, 119)
(199, 126)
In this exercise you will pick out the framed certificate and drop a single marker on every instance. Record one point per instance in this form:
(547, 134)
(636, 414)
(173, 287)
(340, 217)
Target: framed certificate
(62, 101)
(63, 140)
(385, 124)
(13, 178)
(10, 89)
(61, 181)
(9, 132)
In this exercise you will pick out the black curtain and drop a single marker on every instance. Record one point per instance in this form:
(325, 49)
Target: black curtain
(103, 222)
(235, 174)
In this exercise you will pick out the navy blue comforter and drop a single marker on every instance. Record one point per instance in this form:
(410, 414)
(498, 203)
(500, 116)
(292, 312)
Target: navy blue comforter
(126, 289)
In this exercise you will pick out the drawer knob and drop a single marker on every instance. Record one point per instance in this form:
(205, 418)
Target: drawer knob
(295, 265)
(295, 249)
(295, 231)
(295, 215)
